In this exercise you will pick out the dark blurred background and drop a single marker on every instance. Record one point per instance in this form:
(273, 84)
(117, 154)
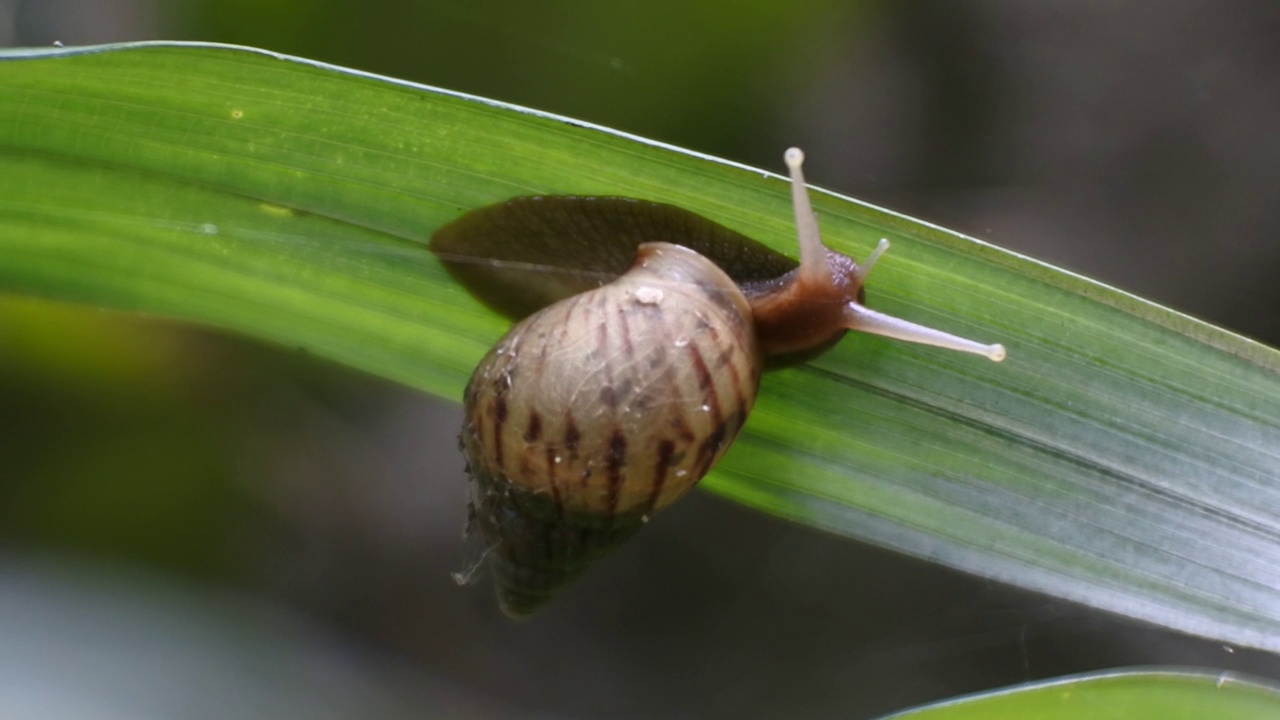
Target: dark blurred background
(198, 525)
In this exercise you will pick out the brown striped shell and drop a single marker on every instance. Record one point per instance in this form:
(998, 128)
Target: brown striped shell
(602, 409)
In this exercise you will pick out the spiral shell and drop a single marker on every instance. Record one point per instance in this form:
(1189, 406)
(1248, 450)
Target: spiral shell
(600, 410)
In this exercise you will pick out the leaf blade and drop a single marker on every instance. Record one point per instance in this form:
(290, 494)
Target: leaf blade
(1124, 456)
(1135, 694)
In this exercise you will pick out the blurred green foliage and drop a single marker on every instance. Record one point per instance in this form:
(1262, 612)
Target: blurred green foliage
(120, 438)
(674, 71)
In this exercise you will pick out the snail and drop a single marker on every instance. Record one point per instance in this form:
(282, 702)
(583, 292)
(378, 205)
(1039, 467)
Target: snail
(608, 402)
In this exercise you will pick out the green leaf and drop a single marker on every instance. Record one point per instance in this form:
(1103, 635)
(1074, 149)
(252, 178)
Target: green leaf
(1124, 456)
(1132, 695)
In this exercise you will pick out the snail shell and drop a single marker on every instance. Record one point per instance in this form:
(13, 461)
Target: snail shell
(608, 403)
(602, 409)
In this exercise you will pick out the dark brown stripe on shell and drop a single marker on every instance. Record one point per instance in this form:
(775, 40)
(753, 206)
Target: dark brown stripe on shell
(571, 437)
(738, 395)
(499, 419)
(720, 299)
(710, 447)
(534, 431)
(715, 335)
(666, 450)
(679, 423)
(725, 360)
(683, 432)
(710, 397)
(546, 346)
(609, 396)
(566, 324)
(657, 357)
(613, 465)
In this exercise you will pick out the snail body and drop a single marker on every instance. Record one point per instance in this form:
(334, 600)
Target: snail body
(610, 403)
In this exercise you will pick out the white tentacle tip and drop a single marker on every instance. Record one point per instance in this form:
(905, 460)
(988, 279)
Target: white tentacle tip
(995, 353)
(794, 157)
